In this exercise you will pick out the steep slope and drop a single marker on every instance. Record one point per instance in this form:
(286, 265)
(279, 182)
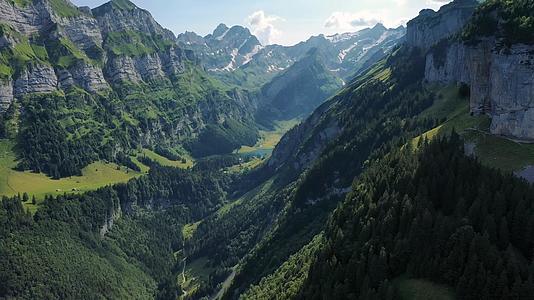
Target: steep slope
(436, 215)
(299, 90)
(316, 162)
(493, 56)
(104, 82)
(311, 171)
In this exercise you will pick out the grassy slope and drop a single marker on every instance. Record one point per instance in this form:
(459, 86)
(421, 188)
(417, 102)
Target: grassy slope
(96, 175)
(270, 138)
(165, 161)
(493, 151)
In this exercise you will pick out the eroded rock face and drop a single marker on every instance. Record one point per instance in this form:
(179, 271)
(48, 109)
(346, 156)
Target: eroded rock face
(430, 27)
(6, 94)
(501, 80)
(28, 19)
(36, 79)
(89, 77)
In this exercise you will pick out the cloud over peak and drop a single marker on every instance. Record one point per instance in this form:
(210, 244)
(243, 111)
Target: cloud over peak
(264, 26)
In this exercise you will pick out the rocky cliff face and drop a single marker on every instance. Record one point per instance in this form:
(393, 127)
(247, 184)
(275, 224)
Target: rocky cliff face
(501, 78)
(502, 82)
(40, 23)
(6, 94)
(430, 27)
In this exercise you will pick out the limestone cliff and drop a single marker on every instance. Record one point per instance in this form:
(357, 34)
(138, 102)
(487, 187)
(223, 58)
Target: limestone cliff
(430, 27)
(501, 77)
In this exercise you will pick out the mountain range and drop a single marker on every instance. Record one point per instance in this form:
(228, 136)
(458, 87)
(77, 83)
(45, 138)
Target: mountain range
(407, 176)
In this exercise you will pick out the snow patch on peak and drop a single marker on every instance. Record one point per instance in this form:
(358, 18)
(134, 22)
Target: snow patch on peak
(337, 38)
(219, 38)
(248, 57)
(344, 52)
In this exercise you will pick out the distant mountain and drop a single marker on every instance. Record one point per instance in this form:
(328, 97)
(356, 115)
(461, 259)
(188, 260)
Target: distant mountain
(237, 57)
(297, 91)
(225, 50)
(289, 81)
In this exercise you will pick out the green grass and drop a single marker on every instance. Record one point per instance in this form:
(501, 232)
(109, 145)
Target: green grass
(64, 9)
(197, 271)
(94, 176)
(133, 43)
(21, 3)
(420, 289)
(123, 4)
(502, 153)
(75, 54)
(189, 229)
(5, 71)
(270, 138)
(165, 161)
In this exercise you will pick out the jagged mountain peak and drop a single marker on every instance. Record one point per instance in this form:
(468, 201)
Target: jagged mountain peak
(235, 33)
(379, 26)
(220, 30)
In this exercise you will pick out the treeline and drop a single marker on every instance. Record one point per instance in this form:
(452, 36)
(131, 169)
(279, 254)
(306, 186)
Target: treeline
(437, 215)
(511, 21)
(60, 252)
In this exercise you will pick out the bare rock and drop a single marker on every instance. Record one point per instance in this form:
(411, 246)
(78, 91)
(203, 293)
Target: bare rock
(36, 78)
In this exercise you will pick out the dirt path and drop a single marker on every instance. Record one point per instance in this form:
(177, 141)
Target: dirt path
(226, 284)
(184, 261)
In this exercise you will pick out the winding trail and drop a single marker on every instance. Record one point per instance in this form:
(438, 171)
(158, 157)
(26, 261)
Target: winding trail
(184, 261)
(226, 284)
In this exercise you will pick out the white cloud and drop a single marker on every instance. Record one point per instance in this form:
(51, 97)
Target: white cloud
(348, 21)
(435, 4)
(264, 27)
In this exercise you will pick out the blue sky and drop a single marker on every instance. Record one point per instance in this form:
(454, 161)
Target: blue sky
(280, 21)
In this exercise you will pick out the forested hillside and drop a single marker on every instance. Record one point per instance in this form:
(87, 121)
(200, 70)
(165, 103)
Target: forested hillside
(437, 215)
(117, 242)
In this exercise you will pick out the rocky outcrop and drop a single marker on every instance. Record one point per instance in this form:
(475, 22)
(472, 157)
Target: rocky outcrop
(225, 50)
(36, 79)
(501, 80)
(114, 214)
(84, 32)
(154, 66)
(501, 77)
(28, 19)
(6, 94)
(430, 27)
(88, 76)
